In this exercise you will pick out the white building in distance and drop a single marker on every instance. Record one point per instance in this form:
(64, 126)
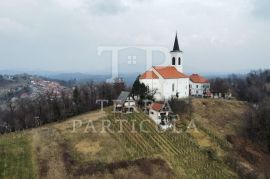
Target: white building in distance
(169, 81)
(199, 86)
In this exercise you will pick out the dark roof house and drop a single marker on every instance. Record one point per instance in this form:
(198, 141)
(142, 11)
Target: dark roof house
(123, 97)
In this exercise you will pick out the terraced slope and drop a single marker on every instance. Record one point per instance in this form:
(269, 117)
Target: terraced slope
(183, 153)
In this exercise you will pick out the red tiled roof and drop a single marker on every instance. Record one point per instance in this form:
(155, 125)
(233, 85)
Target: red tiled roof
(149, 75)
(195, 78)
(169, 72)
(157, 106)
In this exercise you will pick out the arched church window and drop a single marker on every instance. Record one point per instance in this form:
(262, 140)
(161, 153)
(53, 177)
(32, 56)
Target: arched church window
(173, 61)
(179, 61)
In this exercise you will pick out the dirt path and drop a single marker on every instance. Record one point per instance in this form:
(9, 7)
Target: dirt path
(48, 153)
(46, 143)
(92, 116)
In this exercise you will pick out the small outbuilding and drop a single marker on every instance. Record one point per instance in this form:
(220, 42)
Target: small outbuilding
(125, 103)
(162, 114)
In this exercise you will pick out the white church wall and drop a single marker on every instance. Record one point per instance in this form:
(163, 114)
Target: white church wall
(154, 84)
(164, 87)
(181, 86)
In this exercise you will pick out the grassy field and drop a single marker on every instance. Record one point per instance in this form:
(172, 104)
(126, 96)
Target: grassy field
(224, 117)
(16, 157)
(56, 151)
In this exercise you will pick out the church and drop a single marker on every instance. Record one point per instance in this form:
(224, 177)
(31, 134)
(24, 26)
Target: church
(170, 81)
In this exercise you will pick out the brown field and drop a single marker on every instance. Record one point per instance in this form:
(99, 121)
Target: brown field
(222, 116)
(226, 119)
(56, 151)
(60, 153)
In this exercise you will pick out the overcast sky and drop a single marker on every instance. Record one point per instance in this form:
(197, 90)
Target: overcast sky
(63, 35)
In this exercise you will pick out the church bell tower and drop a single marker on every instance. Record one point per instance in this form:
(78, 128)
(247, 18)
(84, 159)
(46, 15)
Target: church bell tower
(176, 54)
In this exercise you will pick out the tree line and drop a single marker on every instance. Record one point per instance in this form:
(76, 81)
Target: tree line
(24, 113)
(255, 89)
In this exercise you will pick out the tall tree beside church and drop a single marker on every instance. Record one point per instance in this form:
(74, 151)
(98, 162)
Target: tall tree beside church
(139, 89)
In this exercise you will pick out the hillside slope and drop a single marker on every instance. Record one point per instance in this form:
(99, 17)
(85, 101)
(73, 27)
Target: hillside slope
(225, 120)
(222, 116)
(56, 151)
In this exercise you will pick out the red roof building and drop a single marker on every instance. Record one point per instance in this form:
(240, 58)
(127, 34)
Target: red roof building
(195, 78)
(149, 75)
(199, 86)
(157, 106)
(166, 72)
(169, 72)
(168, 82)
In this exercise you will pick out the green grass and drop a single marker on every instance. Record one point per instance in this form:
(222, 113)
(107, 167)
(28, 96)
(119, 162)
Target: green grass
(16, 157)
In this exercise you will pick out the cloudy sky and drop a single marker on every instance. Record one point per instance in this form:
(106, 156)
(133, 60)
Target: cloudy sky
(64, 35)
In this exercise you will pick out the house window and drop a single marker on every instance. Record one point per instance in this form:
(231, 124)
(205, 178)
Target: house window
(173, 61)
(179, 61)
(205, 86)
(197, 86)
(173, 87)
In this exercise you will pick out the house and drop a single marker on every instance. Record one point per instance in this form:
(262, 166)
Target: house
(199, 86)
(168, 81)
(125, 103)
(161, 114)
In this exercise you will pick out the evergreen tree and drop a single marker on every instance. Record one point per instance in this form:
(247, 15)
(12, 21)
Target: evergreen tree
(139, 89)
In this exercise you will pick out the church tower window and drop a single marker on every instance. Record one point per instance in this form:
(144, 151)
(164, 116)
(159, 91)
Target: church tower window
(179, 61)
(173, 61)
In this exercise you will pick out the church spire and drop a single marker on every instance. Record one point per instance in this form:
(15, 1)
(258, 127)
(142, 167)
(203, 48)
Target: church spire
(176, 54)
(176, 45)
